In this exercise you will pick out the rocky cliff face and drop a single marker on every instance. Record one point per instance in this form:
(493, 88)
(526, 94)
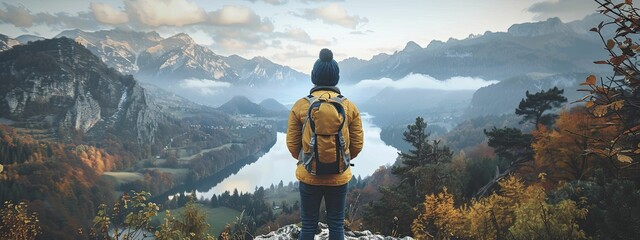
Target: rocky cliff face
(551, 26)
(179, 57)
(61, 86)
(259, 71)
(291, 232)
(117, 48)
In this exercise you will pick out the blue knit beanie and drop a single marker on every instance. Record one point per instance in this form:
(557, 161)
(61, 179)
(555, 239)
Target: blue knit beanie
(325, 71)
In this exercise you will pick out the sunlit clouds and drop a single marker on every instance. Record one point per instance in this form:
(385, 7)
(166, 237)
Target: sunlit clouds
(19, 16)
(107, 14)
(240, 16)
(568, 9)
(334, 14)
(165, 12)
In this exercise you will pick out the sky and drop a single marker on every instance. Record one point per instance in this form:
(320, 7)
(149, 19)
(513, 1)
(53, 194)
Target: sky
(289, 32)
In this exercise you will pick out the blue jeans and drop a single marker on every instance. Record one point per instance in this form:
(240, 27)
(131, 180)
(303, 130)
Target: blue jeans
(334, 200)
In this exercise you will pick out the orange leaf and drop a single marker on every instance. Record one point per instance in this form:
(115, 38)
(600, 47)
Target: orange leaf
(589, 104)
(604, 62)
(618, 60)
(600, 111)
(628, 2)
(591, 80)
(610, 44)
(617, 105)
(624, 158)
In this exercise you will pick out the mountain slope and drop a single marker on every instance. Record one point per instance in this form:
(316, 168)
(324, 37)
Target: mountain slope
(543, 47)
(24, 39)
(242, 105)
(179, 57)
(259, 71)
(117, 48)
(510, 91)
(58, 84)
(394, 106)
(273, 105)
(7, 43)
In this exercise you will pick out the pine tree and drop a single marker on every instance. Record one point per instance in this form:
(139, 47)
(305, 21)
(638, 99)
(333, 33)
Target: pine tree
(422, 171)
(214, 201)
(422, 154)
(533, 107)
(510, 144)
(416, 136)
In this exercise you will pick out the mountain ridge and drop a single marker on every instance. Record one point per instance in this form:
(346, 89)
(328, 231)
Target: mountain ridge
(549, 46)
(152, 58)
(7, 43)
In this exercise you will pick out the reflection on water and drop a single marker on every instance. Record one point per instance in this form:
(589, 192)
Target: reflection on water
(278, 164)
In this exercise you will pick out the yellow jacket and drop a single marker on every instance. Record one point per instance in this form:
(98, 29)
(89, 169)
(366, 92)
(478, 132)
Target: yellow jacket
(354, 139)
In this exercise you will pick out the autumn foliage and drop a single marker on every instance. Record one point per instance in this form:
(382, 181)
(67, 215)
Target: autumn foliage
(616, 98)
(583, 180)
(515, 212)
(565, 152)
(18, 223)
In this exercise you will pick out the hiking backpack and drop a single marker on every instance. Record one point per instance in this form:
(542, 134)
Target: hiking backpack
(324, 150)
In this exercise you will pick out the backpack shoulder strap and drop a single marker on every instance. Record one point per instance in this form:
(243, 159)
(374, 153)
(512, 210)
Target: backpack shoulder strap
(310, 98)
(339, 99)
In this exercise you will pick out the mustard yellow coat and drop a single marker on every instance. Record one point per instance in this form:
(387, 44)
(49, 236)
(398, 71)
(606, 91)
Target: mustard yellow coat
(354, 139)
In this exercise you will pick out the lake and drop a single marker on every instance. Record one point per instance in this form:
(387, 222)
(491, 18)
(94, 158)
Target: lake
(278, 165)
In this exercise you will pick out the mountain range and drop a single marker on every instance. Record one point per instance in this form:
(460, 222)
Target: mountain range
(266, 108)
(151, 58)
(529, 56)
(548, 47)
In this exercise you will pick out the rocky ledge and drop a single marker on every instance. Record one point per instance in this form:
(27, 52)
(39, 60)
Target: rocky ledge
(291, 232)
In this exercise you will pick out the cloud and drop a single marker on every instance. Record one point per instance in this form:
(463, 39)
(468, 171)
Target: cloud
(240, 16)
(316, 1)
(157, 13)
(333, 14)
(234, 40)
(105, 13)
(204, 86)
(567, 10)
(300, 35)
(149, 14)
(19, 16)
(233, 28)
(421, 81)
(272, 2)
(304, 59)
(292, 53)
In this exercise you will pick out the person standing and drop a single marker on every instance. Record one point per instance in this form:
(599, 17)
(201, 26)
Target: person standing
(324, 134)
